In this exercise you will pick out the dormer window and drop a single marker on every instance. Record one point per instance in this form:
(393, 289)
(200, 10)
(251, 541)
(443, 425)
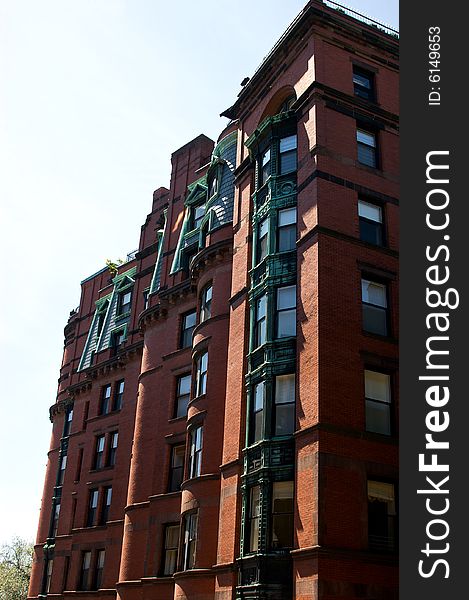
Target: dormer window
(213, 188)
(125, 300)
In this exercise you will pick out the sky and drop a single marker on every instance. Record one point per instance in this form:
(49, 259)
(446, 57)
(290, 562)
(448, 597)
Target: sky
(95, 95)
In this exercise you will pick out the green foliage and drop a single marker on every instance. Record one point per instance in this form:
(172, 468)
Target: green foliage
(113, 266)
(16, 559)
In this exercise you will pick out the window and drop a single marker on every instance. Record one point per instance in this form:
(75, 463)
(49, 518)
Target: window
(176, 468)
(105, 404)
(286, 229)
(370, 218)
(55, 518)
(98, 574)
(183, 394)
(92, 508)
(206, 303)
(63, 466)
(378, 402)
(117, 339)
(264, 167)
(201, 374)
(118, 395)
(125, 300)
(195, 457)
(286, 311)
(254, 515)
(263, 240)
(258, 412)
(111, 458)
(49, 568)
(146, 298)
(68, 422)
(99, 452)
(189, 541)
(282, 514)
(287, 154)
(363, 83)
(366, 148)
(374, 307)
(83, 582)
(106, 505)
(198, 213)
(170, 550)
(213, 188)
(284, 416)
(382, 517)
(261, 320)
(188, 325)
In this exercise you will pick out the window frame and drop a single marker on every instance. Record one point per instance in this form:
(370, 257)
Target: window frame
(98, 568)
(84, 574)
(124, 308)
(277, 513)
(112, 449)
(389, 404)
(262, 252)
(378, 226)
(289, 226)
(365, 278)
(196, 444)
(189, 541)
(206, 304)
(92, 508)
(194, 218)
(291, 404)
(105, 399)
(180, 399)
(106, 496)
(363, 129)
(390, 541)
(201, 374)
(186, 332)
(172, 549)
(98, 459)
(280, 312)
(256, 427)
(176, 472)
(118, 397)
(282, 154)
(359, 90)
(260, 331)
(254, 518)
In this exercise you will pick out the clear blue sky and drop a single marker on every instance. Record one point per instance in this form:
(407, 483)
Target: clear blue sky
(94, 97)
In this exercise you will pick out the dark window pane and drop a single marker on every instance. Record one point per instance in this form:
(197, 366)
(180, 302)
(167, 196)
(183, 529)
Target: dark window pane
(188, 325)
(371, 232)
(375, 319)
(382, 518)
(288, 162)
(282, 514)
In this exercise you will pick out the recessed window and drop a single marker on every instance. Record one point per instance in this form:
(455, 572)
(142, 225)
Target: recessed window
(287, 154)
(382, 516)
(106, 505)
(370, 217)
(183, 394)
(117, 339)
(206, 303)
(92, 508)
(111, 458)
(125, 301)
(213, 188)
(284, 416)
(282, 514)
(189, 541)
(264, 167)
(195, 456)
(261, 320)
(63, 466)
(286, 311)
(50, 566)
(378, 402)
(68, 421)
(170, 551)
(374, 307)
(99, 452)
(55, 518)
(98, 574)
(198, 213)
(83, 583)
(263, 240)
(254, 516)
(363, 83)
(105, 404)
(176, 468)
(286, 229)
(258, 412)
(187, 327)
(367, 148)
(201, 374)
(118, 395)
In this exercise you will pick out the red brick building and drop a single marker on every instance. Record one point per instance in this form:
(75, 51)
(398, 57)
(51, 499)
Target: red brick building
(226, 418)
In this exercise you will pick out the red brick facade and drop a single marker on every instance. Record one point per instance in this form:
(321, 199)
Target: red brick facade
(226, 525)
